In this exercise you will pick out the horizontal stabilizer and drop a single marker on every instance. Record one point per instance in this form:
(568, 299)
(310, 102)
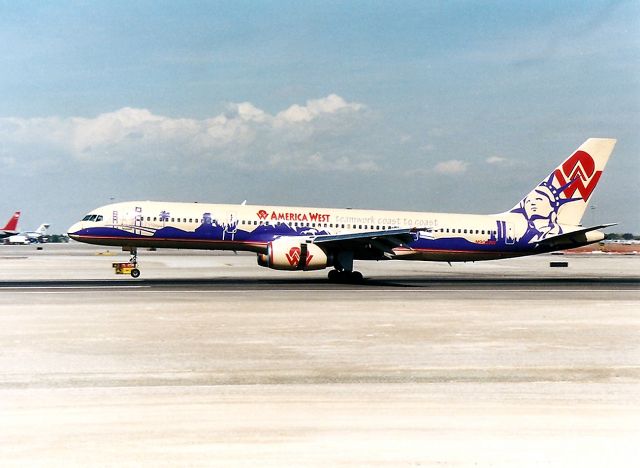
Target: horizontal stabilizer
(571, 239)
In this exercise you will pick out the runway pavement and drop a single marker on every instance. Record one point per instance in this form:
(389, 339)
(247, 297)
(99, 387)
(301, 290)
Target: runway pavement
(210, 360)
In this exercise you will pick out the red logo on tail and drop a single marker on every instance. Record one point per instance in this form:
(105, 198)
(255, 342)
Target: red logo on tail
(579, 168)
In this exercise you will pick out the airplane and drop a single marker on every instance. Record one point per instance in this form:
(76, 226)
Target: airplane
(30, 237)
(10, 228)
(547, 219)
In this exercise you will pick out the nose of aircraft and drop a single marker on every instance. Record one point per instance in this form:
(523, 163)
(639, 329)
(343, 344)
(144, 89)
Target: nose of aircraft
(74, 228)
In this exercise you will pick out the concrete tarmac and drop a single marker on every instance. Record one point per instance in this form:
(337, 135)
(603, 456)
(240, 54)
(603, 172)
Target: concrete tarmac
(213, 361)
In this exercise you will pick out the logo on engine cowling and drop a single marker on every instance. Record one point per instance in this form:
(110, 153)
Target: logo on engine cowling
(293, 257)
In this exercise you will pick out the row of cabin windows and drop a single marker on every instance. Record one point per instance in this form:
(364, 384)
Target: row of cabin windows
(177, 220)
(331, 225)
(465, 231)
(278, 223)
(96, 218)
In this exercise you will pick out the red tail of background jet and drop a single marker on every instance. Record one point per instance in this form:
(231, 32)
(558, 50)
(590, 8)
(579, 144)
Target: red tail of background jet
(12, 224)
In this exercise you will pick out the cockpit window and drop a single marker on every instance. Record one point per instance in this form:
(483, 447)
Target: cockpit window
(92, 217)
(99, 218)
(87, 218)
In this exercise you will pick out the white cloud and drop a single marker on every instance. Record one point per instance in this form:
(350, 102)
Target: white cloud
(244, 136)
(315, 108)
(453, 166)
(247, 111)
(495, 160)
(344, 163)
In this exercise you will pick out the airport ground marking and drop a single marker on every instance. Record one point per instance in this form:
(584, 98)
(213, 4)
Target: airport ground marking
(150, 289)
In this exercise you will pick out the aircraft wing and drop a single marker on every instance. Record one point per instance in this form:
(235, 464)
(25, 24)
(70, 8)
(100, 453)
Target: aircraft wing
(569, 239)
(384, 241)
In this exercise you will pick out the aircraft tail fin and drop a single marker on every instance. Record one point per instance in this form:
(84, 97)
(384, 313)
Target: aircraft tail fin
(42, 229)
(12, 224)
(565, 193)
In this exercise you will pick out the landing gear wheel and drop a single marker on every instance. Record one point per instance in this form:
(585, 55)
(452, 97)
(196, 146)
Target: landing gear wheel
(334, 276)
(135, 273)
(355, 277)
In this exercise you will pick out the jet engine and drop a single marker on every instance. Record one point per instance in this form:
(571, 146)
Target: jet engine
(290, 253)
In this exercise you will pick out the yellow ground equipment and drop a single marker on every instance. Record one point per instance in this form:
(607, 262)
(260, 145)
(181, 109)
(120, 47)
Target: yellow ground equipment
(126, 268)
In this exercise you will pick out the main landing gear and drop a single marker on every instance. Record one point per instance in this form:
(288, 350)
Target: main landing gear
(343, 272)
(344, 276)
(130, 267)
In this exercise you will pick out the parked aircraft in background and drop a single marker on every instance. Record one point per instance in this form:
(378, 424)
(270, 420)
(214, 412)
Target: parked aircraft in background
(293, 238)
(10, 228)
(30, 237)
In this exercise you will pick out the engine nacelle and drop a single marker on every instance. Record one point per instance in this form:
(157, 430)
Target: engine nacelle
(290, 253)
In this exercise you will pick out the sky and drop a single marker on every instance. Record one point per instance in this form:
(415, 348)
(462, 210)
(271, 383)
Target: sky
(454, 106)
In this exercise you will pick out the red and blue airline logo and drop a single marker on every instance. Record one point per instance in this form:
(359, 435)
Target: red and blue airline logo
(580, 170)
(293, 257)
